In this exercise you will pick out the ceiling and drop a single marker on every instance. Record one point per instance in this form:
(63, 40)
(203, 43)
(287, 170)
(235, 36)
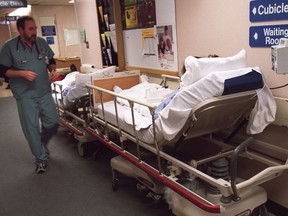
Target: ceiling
(48, 2)
(5, 11)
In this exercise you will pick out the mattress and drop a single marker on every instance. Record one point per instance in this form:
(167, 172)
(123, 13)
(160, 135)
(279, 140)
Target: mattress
(145, 135)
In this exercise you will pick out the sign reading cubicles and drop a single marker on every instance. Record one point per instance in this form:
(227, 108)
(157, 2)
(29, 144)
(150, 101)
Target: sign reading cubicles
(272, 10)
(267, 36)
(268, 10)
(13, 3)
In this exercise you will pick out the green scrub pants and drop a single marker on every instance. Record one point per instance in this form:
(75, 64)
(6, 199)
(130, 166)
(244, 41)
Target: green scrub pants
(39, 121)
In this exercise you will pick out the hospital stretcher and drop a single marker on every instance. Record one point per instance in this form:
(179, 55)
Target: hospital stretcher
(73, 111)
(218, 190)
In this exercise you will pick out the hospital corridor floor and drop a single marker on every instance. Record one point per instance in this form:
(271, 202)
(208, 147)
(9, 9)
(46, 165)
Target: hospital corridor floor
(72, 185)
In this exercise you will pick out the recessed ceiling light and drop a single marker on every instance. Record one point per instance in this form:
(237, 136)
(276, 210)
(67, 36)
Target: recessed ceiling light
(71, 1)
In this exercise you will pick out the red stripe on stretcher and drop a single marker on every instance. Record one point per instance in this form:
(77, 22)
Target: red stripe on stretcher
(71, 127)
(186, 194)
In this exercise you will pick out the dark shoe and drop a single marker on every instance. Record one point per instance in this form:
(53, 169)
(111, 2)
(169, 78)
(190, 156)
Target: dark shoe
(40, 168)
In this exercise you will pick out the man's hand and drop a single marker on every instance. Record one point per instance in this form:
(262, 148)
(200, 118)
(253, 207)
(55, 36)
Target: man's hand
(25, 74)
(29, 75)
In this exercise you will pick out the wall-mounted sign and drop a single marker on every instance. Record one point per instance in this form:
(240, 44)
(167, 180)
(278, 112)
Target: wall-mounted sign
(48, 30)
(50, 40)
(13, 3)
(11, 18)
(267, 36)
(4, 22)
(268, 10)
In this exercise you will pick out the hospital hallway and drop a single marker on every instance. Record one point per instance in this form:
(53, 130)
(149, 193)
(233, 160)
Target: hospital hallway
(72, 185)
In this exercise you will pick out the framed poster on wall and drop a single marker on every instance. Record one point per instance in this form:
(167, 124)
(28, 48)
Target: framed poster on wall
(138, 13)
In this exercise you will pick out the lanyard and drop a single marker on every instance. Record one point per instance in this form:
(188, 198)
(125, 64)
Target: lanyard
(24, 60)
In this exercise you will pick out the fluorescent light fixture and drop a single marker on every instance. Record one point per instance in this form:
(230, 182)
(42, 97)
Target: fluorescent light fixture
(21, 11)
(71, 2)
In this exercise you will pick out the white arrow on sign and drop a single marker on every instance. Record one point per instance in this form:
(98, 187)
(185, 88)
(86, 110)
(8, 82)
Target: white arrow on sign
(254, 11)
(256, 36)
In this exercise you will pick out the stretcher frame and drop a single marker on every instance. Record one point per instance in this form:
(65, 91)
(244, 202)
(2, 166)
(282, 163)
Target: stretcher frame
(77, 124)
(195, 126)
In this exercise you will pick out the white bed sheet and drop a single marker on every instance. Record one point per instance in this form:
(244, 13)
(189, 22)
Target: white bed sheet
(110, 116)
(74, 84)
(173, 117)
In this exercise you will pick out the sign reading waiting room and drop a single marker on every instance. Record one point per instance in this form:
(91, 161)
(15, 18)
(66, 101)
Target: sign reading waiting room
(267, 36)
(13, 3)
(268, 10)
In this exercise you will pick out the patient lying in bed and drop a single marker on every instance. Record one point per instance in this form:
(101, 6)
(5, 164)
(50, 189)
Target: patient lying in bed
(173, 113)
(73, 85)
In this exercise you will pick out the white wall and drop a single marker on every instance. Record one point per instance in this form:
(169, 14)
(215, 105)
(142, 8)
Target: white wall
(222, 27)
(87, 19)
(65, 19)
(4, 29)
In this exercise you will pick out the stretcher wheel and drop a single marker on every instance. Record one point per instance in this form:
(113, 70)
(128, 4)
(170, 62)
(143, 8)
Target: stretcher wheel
(115, 180)
(157, 198)
(81, 150)
(96, 153)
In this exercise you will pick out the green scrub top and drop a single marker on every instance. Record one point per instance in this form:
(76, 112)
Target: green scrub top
(18, 56)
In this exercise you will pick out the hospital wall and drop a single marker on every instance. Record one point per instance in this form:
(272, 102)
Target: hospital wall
(222, 27)
(4, 34)
(65, 19)
(88, 21)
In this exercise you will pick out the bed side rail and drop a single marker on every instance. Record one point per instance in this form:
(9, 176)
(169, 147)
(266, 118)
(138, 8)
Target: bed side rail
(101, 92)
(58, 101)
(166, 78)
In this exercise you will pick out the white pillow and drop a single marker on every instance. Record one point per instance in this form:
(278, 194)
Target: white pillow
(103, 72)
(83, 78)
(198, 68)
(69, 78)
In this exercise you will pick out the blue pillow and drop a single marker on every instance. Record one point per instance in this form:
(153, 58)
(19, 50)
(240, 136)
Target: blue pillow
(250, 81)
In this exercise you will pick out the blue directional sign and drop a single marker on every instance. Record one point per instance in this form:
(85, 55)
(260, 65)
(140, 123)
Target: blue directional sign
(11, 18)
(48, 30)
(268, 10)
(267, 36)
(50, 40)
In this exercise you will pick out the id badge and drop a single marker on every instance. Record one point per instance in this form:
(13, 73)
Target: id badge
(46, 60)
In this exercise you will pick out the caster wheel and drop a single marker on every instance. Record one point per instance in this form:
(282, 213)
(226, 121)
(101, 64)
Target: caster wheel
(81, 150)
(157, 198)
(115, 180)
(96, 153)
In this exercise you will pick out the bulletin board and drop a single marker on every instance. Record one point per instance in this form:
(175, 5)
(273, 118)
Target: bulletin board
(71, 37)
(141, 49)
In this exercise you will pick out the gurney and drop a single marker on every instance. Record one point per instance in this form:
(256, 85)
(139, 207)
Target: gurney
(72, 102)
(162, 172)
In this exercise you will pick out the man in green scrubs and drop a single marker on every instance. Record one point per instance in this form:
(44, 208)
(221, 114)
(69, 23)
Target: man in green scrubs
(27, 61)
